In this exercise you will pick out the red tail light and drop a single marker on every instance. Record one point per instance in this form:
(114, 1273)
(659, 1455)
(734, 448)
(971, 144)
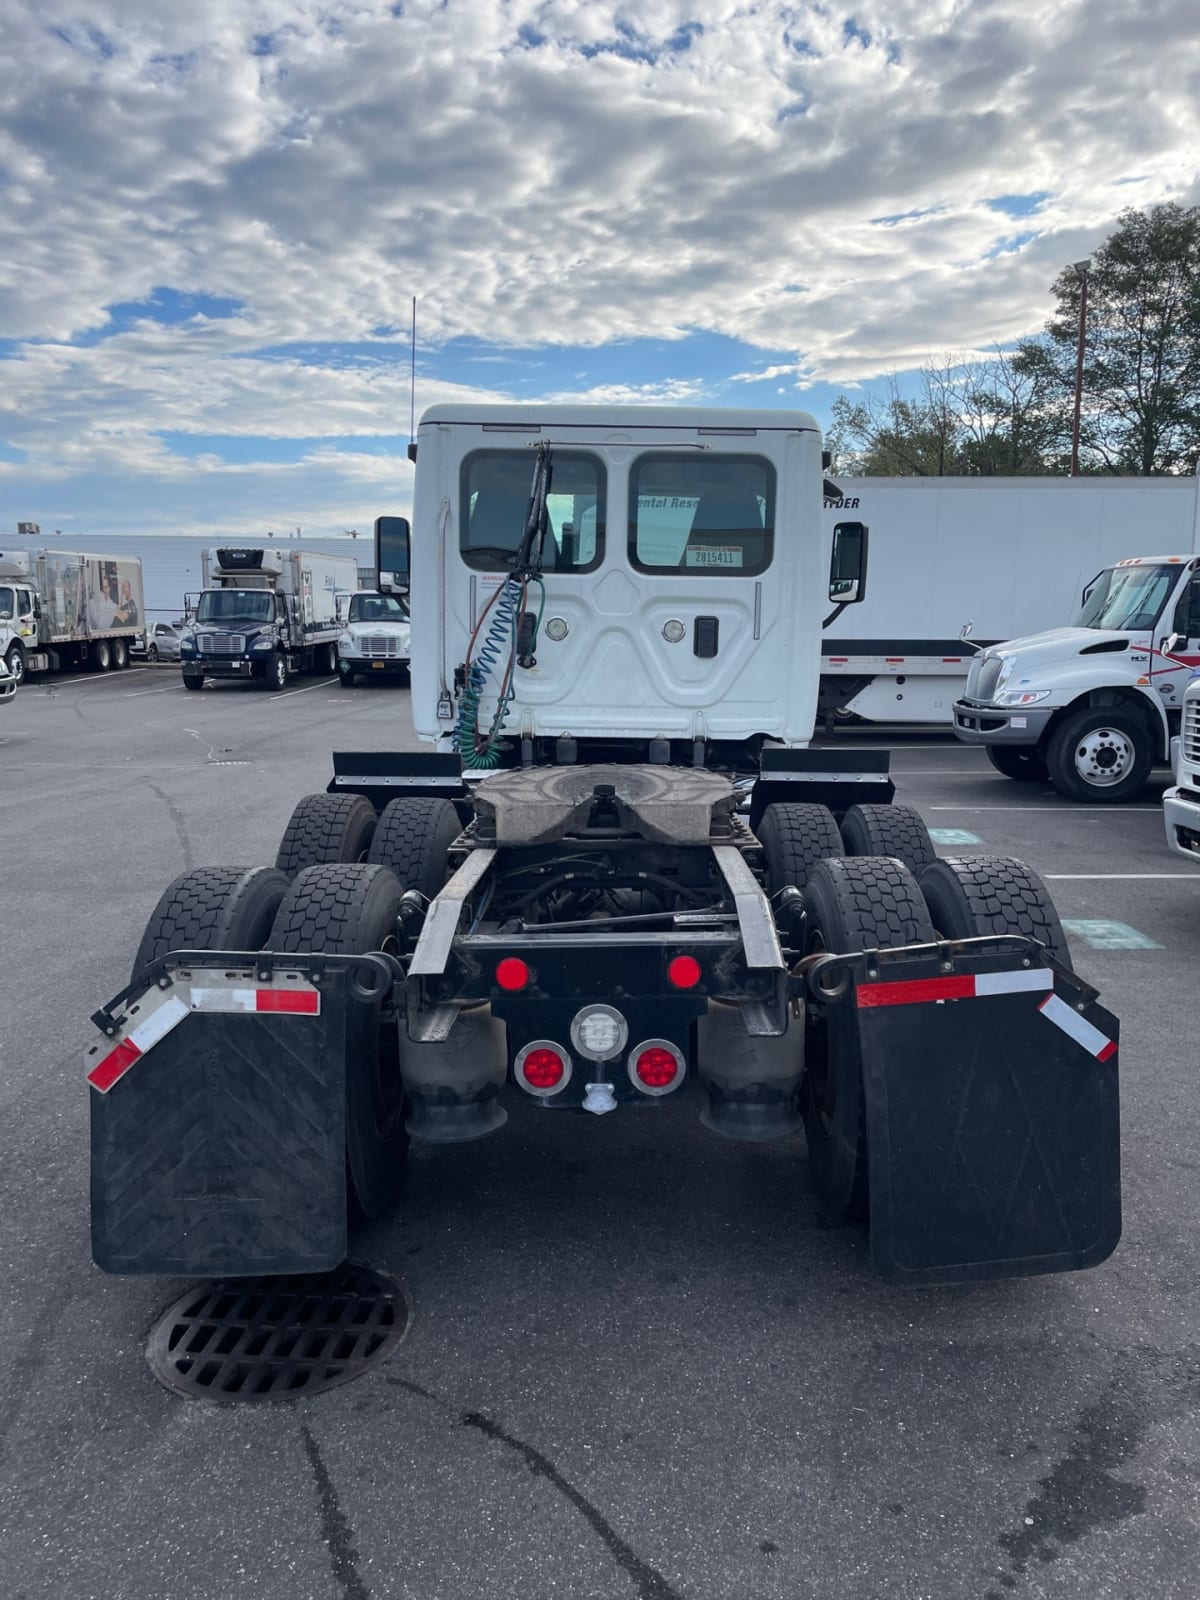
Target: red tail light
(512, 974)
(683, 972)
(542, 1067)
(656, 1066)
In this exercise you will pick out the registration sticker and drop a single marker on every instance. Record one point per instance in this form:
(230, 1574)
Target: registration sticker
(716, 555)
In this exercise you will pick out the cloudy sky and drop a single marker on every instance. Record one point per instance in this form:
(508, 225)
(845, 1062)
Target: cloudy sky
(216, 215)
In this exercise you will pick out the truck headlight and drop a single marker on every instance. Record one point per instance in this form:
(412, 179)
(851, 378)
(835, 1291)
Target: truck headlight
(347, 645)
(263, 644)
(1023, 697)
(1004, 675)
(187, 647)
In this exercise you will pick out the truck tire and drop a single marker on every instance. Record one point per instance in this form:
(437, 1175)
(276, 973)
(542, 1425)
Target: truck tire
(276, 675)
(16, 663)
(101, 655)
(213, 908)
(331, 660)
(324, 829)
(866, 903)
(1099, 755)
(346, 677)
(1020, 762)
(120, 655)
(794, 837)
(193, 680)
(413, 837)
(352, 910)
(896, 831)
(977, 895)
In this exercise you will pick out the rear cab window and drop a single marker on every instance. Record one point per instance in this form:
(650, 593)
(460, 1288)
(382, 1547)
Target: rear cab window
(696, 515)
(494, 502)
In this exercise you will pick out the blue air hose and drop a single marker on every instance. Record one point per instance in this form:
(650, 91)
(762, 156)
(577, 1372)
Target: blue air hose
(501, 633)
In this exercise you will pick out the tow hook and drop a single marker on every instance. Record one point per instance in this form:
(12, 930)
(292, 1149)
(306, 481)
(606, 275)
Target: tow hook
(599, 1098)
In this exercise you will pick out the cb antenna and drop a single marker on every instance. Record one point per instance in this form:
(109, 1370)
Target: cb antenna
(412, 388)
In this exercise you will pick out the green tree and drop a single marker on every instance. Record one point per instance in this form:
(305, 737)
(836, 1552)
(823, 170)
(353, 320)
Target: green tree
(1141, 372)
(896, 436)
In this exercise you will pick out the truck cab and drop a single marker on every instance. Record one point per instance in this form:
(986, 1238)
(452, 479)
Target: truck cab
(1092, 706)
(1181, 803)
(375, 641)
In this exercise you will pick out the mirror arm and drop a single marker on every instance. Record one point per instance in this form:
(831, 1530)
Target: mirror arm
(834, 615)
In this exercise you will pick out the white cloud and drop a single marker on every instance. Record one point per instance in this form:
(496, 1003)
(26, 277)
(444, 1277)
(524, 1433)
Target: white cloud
(545, 171)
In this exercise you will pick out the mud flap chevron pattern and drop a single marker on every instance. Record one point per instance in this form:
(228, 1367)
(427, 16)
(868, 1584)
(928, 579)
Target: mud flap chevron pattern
(223, 1153)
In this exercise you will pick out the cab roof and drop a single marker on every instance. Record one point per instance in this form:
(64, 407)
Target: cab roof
(550, 416)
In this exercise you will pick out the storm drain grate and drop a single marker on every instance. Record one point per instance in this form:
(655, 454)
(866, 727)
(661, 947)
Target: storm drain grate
(277, 1338)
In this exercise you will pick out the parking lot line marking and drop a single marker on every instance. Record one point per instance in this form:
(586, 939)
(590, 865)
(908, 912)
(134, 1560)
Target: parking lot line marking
(1067, 810)
(1095, 877)
(933, 772)
(165, 688)
(307, 689)
(953, 836)
(1102, 934)
(68, 682)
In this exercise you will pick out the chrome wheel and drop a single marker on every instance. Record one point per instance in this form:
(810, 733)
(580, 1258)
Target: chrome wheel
(1104, 757)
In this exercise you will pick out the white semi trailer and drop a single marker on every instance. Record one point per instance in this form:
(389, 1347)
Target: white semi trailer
(1011, 556)
(63, 608)
(264, 614)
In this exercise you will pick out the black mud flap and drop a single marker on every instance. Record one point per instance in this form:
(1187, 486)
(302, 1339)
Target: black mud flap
(993, 1124)
(218, 1115)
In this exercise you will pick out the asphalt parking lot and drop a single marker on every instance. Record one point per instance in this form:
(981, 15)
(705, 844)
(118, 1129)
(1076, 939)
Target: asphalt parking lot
(639, 1364)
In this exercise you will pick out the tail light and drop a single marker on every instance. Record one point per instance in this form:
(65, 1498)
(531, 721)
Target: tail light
(656, 1066)
(542, 1067)
(512, 974)
(683, 972)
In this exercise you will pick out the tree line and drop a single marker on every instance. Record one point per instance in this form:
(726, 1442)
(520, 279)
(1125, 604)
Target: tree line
(1012, 413)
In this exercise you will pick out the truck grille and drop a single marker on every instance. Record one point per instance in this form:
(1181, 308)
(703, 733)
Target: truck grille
(1191, 731)
(985, 683)
(221, 644)
(380, 645)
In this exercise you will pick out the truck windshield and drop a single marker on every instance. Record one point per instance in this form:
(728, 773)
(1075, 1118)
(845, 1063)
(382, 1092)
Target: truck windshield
(235, 605)
(377, 608)
(1127, 597)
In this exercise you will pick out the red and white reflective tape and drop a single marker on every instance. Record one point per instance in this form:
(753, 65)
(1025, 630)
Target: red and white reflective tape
(915, 991)
(912, 991)
(1057, 1011)
(158, 1020)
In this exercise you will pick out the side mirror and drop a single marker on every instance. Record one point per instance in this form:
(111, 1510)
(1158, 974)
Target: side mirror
(392, 544)
(341, 606)
(848, 563)
(1173, 642)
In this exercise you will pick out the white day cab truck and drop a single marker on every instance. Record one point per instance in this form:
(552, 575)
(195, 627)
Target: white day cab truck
(62, 609)
(265, 614)
(1181, 804)
(375, 641)
(1009, 556)
(1093, 706)
(619, 881)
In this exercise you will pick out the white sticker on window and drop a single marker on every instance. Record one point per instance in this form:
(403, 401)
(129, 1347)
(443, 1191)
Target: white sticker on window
(725, 555)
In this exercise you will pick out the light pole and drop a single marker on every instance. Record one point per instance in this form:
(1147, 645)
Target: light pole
(1081, 268)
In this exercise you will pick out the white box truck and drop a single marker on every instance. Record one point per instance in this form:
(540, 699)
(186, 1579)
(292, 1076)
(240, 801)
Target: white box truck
(264, 614)
(63, 608)
(1181, 804)
(1012, 556)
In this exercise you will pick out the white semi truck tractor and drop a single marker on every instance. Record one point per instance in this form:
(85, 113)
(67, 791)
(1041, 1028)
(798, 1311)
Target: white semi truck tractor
(1092, 706)
(265, 614)
(618, 881)
(1181, 803)
(63, 608)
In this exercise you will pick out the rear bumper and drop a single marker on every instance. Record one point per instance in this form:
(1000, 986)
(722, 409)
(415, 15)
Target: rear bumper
(1181, 818)
(978, 724)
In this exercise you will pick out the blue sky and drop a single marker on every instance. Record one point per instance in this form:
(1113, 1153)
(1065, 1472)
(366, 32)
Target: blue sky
(223, 211)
